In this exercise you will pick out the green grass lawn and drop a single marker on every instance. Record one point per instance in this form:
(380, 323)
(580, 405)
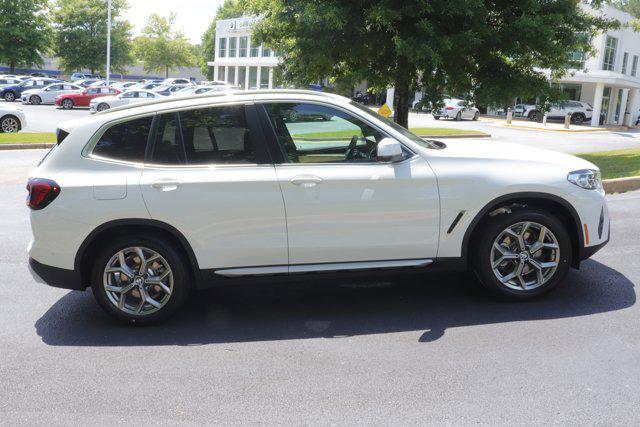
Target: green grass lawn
(27, 138)
(347, 133)
(615, 164)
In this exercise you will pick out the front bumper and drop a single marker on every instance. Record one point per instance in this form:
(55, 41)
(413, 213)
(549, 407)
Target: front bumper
(54, 276)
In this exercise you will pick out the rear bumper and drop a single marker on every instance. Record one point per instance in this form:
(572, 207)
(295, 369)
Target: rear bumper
(54, 276)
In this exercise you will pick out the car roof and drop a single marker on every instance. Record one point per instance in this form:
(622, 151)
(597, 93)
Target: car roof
(230, 96)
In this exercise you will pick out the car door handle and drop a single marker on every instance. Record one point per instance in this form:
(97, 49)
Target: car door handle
(166, 184)
(306, 180)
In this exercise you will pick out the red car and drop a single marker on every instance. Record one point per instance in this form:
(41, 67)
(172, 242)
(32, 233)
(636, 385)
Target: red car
(82, 99)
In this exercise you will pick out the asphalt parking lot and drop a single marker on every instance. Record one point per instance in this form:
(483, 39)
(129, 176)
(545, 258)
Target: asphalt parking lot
(401, 351)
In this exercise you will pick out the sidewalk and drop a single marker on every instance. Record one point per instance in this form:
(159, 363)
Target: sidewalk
(554, 126)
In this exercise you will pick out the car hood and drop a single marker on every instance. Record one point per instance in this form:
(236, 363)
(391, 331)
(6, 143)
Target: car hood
(30, 91)
(501, 151)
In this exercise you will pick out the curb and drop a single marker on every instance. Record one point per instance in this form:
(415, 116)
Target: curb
(38, 146)
(621, 185)
(557, 130)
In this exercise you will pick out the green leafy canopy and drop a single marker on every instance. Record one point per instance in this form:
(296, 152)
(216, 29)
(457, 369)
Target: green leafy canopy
(490, 51)
(81, 35)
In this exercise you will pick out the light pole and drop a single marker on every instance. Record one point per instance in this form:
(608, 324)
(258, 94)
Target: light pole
(108, 42)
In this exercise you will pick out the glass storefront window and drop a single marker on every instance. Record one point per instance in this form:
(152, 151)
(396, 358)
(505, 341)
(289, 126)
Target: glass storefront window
(264, 78)
(253, 77)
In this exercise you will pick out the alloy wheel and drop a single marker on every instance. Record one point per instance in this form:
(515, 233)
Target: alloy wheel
(138, 281)
(68, 104)
(9, 97)
(35, 100)
(102, 107)
(525, 256)
(10, 125)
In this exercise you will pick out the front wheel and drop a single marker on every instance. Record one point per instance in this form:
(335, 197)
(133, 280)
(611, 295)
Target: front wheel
(577, 119)
(35, 100)
(436, 117)
(102, 107)
(9, 96)
(523, 254)
(139, 279)
(9, 124)
(458, 116)
(476, 116)
(67, 104)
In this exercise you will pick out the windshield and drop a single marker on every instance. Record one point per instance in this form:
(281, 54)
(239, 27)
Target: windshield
(396, 127)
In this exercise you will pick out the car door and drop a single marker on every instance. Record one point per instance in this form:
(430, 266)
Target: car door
(49, 94)
(342, 204)
(209, 175)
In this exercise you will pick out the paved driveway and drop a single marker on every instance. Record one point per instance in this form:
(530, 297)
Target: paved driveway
(400, 351)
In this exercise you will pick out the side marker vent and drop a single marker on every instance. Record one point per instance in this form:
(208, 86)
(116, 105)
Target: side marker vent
(455, 221)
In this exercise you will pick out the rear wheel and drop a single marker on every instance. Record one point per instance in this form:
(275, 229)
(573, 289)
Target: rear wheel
(139, 279)
(35, 100)
(476, 116)
(535, 116)
(523, 254)
(577, 119)
(9, 96)
(458, 116)
(67, 104)
(436, 117)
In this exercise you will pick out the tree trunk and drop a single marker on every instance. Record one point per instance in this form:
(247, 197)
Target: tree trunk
(12, 67)
(93, 71)
(401, 102)
(166, 72)
(401, 93)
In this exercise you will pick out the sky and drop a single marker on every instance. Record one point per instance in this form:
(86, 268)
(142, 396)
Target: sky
(192, 16)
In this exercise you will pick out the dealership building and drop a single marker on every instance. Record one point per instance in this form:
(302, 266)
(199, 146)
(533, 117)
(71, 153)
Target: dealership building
(238, 60)
(609, 79)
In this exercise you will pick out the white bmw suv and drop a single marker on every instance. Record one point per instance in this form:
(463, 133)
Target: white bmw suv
(146, 202)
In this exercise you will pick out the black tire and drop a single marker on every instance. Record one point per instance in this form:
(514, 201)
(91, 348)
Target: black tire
(577, 118)
(35, 100)
(476, 116)
(67, 104)
(483, 244)
(9, 96)
(9, 124)
(177, 262)
(458, 117)
(535, 116)
(436, 117)
(102, 106)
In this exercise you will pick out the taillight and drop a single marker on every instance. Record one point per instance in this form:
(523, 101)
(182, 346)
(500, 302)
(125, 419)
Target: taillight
(449, 108)
(41, 193)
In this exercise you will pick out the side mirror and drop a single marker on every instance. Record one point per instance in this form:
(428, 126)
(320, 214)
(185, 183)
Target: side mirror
(389, 150)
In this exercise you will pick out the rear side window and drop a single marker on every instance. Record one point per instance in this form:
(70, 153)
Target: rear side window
(125, 141)
(216, 135)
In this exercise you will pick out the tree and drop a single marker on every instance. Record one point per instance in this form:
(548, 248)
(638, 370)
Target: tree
(227, 10)
(490, 51)
(161, 48)
(24, 32)
(81, 35)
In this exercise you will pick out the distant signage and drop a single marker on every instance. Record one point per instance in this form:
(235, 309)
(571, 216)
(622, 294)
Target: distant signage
(241, 24)
(385, 111)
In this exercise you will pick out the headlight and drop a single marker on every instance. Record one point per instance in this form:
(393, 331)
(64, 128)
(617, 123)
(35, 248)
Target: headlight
(588, 179)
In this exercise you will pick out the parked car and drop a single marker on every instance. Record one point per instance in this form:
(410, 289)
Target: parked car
(198, 90)
(218, 83)
(123, 85)
(146, 202)
(48, 94)
(159, 81)
(144, 86)
(456, 109)
(83, 98)
(84, 76)
(579, 112)
(9, 81)
(90, 82)
(128, 97)
(166, 90)
(12, 92)
(177, 81)
(12, 119)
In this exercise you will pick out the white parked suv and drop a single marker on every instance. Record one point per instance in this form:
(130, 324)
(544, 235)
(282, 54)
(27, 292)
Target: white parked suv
(579, 112)
(145, 202)
(456, 109)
